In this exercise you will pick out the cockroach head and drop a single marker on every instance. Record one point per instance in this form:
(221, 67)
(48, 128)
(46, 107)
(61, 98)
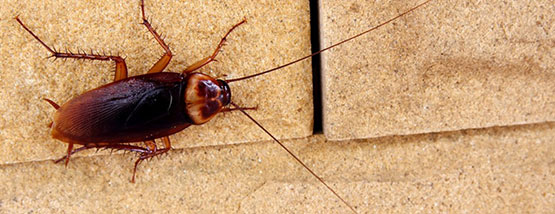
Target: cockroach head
(205, 97)
(226, 92)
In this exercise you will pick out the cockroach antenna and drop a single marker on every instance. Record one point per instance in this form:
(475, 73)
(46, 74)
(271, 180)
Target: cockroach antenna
(301, 59)
(330, 47)
(294, 156)
(157, 104)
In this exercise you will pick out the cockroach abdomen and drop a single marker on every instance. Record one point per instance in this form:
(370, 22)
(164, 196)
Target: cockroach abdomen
(131, 110)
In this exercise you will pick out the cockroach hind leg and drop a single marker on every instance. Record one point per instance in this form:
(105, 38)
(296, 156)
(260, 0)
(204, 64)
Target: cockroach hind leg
(121, 67)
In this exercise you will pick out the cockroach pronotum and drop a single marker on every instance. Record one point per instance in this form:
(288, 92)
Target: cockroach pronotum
(154, 105)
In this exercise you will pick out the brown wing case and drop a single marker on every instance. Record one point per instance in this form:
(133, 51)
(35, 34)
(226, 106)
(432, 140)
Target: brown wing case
(135, 109)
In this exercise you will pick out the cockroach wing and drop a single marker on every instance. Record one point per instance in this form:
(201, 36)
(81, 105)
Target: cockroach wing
(153, 105)
(135, 109)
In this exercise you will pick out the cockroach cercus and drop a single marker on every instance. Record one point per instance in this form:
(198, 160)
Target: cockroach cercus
(154, 105)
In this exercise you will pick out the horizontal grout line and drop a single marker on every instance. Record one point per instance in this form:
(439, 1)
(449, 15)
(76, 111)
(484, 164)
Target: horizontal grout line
(216, 147)
(523, 125)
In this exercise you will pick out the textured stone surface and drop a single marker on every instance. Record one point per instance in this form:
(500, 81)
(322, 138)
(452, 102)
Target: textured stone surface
(496, 169)
(450, 65)
(507, 169)
(276, 32)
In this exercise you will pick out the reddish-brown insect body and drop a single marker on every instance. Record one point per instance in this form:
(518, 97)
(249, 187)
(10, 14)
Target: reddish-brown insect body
(141, 108)
(152, 106)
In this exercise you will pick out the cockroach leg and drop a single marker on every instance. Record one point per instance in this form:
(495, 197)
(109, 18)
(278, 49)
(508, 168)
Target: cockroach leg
(165, 60)
(167, 143)
(150, 154)
(211, 58)
(121, 67)
(52, 103)
(72, 152)
(69, 151)
(123, 147)
(135, 168)
(151, 145)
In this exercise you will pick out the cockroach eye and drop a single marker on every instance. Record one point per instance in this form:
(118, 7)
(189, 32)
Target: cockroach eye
(226, 92)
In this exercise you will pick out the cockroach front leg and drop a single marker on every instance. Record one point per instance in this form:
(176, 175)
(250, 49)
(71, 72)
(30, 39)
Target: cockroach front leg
(152, 151)
(211, 58)
(121, 67)
(165, 60)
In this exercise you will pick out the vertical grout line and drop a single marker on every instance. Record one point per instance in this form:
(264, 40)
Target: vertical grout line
(316, 66)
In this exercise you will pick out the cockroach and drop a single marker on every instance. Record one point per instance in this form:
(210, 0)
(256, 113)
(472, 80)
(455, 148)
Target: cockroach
(154, 105)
